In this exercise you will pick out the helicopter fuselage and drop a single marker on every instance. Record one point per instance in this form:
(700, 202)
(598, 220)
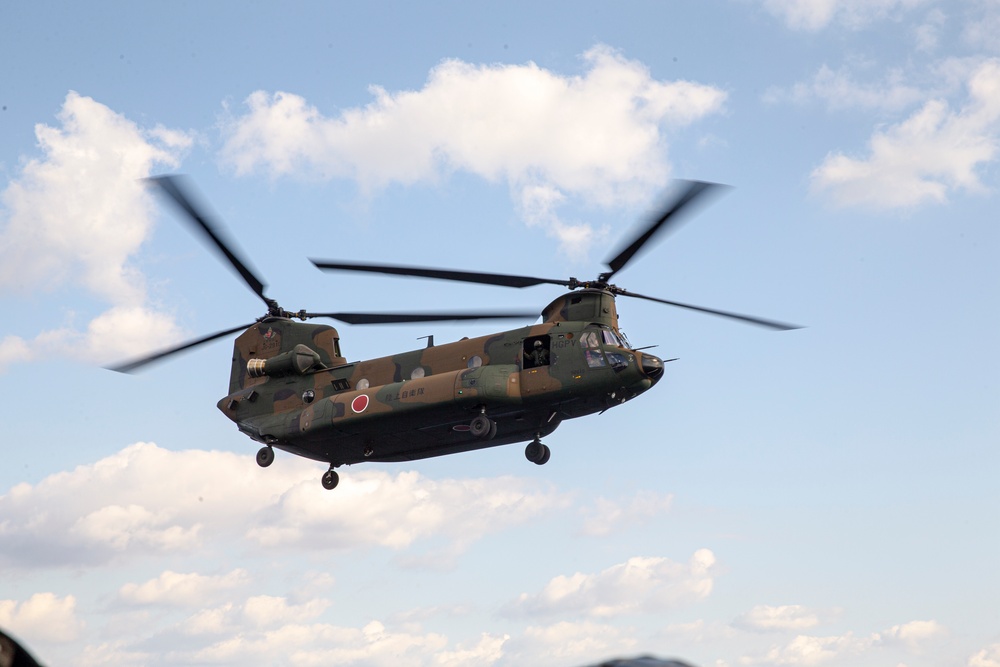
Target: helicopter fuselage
(291, 389)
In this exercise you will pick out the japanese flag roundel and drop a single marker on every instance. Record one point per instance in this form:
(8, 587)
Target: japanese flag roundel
(360, 403)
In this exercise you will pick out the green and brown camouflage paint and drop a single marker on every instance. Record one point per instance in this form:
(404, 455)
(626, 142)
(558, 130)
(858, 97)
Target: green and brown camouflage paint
(292, 388)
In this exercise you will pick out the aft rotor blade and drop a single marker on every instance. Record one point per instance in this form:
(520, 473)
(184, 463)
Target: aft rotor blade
(441, 274)
(171, 186)
(690, 192)
(139, 363)
(748, 319)
(403, 318)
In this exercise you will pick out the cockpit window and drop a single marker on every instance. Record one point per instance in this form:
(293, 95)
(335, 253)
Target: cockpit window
(595, 358)
(611, 339)
(618, 361)
(590, 339)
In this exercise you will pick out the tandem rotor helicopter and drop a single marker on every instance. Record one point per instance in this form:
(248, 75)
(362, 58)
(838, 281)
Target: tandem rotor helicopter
(291, 387)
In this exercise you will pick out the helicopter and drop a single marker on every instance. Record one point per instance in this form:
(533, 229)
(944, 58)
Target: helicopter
(291, 387)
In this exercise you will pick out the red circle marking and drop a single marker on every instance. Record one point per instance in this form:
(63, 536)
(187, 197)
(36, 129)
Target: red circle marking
(359, 403)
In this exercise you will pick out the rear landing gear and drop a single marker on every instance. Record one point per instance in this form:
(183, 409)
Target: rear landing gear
(265, 456)
(330, 479)
(537, 453)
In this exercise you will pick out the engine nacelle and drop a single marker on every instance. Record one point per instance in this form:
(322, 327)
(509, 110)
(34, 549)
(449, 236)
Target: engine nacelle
(298, 361)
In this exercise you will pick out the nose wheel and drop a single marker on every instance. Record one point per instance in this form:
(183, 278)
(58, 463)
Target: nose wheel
(537, 453)
(265, 456)
(330, 479)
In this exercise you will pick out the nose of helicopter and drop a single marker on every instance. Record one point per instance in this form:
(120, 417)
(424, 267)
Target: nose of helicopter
(651, 366)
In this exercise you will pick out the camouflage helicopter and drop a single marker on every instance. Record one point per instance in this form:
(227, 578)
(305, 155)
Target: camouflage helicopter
(291, 387)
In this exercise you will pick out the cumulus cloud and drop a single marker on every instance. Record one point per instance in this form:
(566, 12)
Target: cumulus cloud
(182, 589)
(148, 500)
(320, 644)
(982, 28)
(600, 137)
(785, 617)
(815, 15)
(486, 651)
(838, 90)
(921, 159)
(608, 516)
(912, 635)
(395, 511)
(640, 584)
(80, 211)
(566, 643)
(76, 215)
(44, 617)
(806, 650)
(988, 657)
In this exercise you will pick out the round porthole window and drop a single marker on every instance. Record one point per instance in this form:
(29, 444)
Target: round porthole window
(417, 373)
(475, 361)
(362, 384)
(308, 395)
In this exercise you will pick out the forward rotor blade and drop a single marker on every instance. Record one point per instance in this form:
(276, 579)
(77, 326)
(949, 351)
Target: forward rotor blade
(403, 318)
(171, 186)
(139, 363)
(440, 274)
(748, 319)
(690, 192)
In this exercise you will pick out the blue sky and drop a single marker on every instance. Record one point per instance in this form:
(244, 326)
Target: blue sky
(824, 496)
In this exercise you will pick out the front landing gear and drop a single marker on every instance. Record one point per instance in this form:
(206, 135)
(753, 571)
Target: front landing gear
(537, 453)
(330, 479)
(265, 456)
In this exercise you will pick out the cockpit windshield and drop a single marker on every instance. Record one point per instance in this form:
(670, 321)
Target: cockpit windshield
(611, 338)
(602, 336)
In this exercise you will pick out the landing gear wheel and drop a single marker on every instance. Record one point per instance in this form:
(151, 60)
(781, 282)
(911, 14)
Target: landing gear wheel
(537, 453)
(482, 427)
(330, 479)
(265, 456)
(545, 455)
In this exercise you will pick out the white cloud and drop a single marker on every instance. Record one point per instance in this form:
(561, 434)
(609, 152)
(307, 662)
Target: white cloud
(395, 512)
(934, 151)
(600, 137)
(75, 216)
(259, 613)
(567, 643)
(838, 90)
(82, 209)
(319, 644)
(14, 350)
(116, 335)
(265, 610)
(641, 584)
(182, 589)
(913, 635)
(988, 657)
(486, 651)
(806, 651)
(928, 34)
(608, 516)
(814, 15)
(44, 617)
(785, 617)
(145, 499)
(982, 28)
